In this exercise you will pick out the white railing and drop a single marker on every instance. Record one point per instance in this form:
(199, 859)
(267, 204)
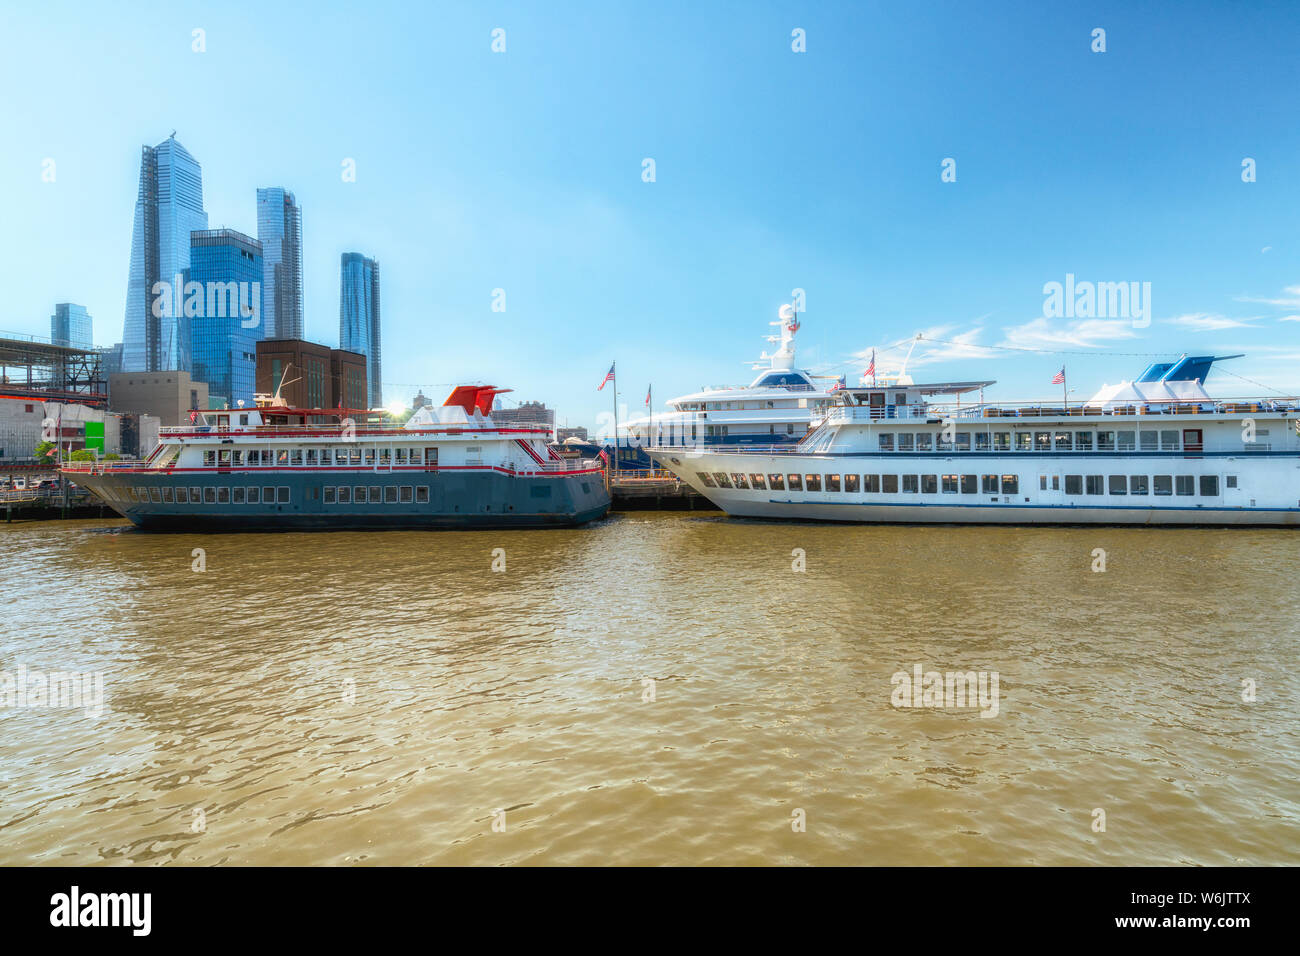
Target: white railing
(845, 414)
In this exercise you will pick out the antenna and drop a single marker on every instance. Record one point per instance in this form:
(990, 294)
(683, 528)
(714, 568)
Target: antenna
(276, 399)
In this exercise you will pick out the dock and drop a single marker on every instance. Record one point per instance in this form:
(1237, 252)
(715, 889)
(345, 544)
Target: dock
(653, 489)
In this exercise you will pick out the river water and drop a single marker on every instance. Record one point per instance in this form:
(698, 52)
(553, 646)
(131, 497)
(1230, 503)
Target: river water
(655, 688)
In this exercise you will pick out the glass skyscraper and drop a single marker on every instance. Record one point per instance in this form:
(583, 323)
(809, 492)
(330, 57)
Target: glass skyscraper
(70, 325)
(168, 208)
(359, 316)
(279, 228)
(222, 302)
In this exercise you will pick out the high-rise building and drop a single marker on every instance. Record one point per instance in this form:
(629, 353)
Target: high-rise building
(313, 376)
(279, 228)
(70, 325)
(359, 316)
(222, 302)
(168, 208)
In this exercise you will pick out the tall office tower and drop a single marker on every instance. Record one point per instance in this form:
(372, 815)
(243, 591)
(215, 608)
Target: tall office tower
(70, 325)
(359, 316)
(168, 208)
(226, 272)
(279, 228)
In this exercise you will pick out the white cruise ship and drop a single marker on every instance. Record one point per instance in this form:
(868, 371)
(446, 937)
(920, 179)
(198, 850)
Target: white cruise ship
(1155, 451)
(775, 409)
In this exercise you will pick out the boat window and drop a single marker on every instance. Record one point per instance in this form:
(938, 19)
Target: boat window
(1169, 440)
(223, 495)
(905, 441)
(167, 494)
(832, 482)
(886, 442)
(1163, 484)
(1230, 481)
(1042, 441)
(706, 479)
(871, 484)
(990, 484)
(1042, 482)
(254, 495)
(209, 457)
(296, 456)
(1074, 484)
(776, 482)
(1095, 485)
(1083, 441)
(182, 496)
(740, 481)
(982, 441)
(401, 455)
(889, 484)
(1118, 485)
(329, 494)
(944, 443)
(422, 495)
(963, 441)
(1126, 441)
(1209, 485)
(722, 480)
(385, 456)
(1010, 484)
(796, 482)
(1024, 441)
(1138, 485)
(911, 484)
(210, 496)
(359, 494)
(1105, 441)
(311, 456)
(1063, 441)
(354, 455)
(930, 484)
(1147, 439)
(950, 483)
(370, 455)
(374, 494)
(812, 482)
(431, 456)
(390, 494)
(1002, 441)
(969, 484)
(237, 495)
(851, 483)
(268, 495)
(758, 482)
(406, 494)
(923, 441)
(237, 457)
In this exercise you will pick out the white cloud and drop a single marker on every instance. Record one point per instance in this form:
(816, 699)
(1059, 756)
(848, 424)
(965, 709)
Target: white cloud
(1266, 249)
(1205, 322)
(1290, 318)
(1290, 298)
(1043, 333)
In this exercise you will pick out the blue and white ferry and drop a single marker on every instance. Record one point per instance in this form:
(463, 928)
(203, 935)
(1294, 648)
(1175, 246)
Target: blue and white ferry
(278, 468)
(776, 408)
(1158, 450)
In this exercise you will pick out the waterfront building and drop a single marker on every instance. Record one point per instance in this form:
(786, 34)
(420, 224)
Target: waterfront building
(359, 316)
(279, 229)
(70, 325)
(169, 395)
(314, 375)
(111, 359)
(578, 432)
(531, 413)
(226, 274)
(168, 207)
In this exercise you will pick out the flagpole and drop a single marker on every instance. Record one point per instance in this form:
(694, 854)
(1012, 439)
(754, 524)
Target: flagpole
(1065, 392)
(650, 400)
(613, 376)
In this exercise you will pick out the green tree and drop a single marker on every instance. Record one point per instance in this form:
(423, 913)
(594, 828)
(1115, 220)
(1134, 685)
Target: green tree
(45, 452)
(82, 454)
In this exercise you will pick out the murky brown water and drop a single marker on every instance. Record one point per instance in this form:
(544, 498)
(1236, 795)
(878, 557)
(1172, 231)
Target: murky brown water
(228, 690)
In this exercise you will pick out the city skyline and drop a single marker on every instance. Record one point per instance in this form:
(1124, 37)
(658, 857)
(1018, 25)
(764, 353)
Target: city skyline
(360, 317)
(279, 229)
(822, 170)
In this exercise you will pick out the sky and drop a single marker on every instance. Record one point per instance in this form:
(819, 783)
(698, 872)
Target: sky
(774, 171)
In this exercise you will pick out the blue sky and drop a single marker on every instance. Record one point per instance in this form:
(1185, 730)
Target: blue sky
(775, 170)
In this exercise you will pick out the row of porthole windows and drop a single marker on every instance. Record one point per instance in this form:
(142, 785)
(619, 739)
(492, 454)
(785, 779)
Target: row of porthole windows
(1160, 485)
(1151, 439)
(351, 455)
(376, 494)
(211, 495)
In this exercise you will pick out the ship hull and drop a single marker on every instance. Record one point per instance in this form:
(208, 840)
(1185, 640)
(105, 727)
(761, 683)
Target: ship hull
(311, 502)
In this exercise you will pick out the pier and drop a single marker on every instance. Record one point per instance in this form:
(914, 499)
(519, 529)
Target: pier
(653, 489)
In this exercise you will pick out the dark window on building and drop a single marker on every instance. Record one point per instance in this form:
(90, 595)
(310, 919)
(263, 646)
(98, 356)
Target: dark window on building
(1210, 485)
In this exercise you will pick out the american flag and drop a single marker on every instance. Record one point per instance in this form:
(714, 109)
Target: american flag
(871, 369)
(839, 384)
(609, 377)
(1060, 377)
(647, 397)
